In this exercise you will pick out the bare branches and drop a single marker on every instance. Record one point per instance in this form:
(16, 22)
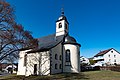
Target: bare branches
(12, 35)
(6, 12)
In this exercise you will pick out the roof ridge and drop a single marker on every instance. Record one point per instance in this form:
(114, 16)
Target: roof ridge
(103, 52)
(46, 36)
(107, 49)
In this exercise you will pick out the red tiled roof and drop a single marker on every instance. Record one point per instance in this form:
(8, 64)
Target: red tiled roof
(102, 52)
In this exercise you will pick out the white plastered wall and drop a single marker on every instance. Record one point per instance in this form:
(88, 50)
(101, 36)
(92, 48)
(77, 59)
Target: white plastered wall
(61, 31)
(21, 66)
(42, 59)
(74, 59)
(110, 58)
(56, 50)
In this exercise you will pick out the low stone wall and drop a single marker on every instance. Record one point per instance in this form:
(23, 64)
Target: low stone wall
(112, 68)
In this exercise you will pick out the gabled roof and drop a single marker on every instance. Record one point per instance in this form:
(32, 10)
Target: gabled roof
(47, 42)
(103, 52)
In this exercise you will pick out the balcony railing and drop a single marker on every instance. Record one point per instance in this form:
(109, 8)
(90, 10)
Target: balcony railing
(98, 58)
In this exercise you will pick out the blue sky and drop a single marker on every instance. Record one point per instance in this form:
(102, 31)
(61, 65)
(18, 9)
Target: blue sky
(94, 23)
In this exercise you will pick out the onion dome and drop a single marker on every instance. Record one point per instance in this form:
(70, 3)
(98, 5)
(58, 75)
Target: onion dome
(69, 39)
(62, 17)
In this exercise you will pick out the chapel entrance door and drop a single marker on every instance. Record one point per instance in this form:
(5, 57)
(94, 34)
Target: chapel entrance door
(35, 69)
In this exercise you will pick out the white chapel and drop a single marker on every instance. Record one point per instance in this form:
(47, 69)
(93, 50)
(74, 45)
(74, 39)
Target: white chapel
(57, 53)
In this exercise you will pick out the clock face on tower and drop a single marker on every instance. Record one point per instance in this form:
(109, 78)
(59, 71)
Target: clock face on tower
(60, 25)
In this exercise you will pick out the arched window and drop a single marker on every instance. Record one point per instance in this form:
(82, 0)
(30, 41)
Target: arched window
(56, 56)
(67, 55)
(60, 25)
(55, 66)
(60, 66)
(66, 26)
(60, 57)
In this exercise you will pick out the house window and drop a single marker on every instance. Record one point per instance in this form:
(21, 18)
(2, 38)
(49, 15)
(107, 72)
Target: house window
(60, 57)
(67, 56)
(56, 56)
(60, 25)
(83, 59)
(109, 55)
(109, 59)
(115, 60)
(114, 56)
(25, 59)
(60, 66)
(55, 66)
(111, 51)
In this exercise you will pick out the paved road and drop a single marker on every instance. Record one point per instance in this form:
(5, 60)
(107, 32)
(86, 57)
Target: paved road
(4, 74)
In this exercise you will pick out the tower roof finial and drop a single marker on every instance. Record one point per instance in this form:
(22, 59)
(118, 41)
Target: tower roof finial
(62, 11)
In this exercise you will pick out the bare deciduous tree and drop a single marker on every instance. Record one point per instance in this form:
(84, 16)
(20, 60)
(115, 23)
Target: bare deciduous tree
(12, 35)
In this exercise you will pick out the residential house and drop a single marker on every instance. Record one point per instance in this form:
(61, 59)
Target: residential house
(107, 57)
(84, 60)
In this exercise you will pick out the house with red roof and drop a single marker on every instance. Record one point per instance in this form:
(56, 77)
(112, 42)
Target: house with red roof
(107, 57)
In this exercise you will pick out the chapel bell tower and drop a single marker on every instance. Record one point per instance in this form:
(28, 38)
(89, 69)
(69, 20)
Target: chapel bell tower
(62, 25)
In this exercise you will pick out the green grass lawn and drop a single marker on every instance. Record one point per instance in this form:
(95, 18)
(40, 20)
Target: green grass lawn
(90, 75)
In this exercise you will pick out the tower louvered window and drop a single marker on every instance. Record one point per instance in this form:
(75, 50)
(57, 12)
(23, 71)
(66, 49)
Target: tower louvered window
(60, 25)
